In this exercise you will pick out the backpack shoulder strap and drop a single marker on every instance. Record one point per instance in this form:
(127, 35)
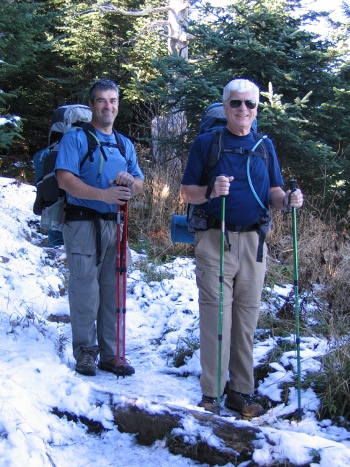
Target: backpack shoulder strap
(120, 143)
(93, 142)
(262, 148)
(213, 156)
(217, 150)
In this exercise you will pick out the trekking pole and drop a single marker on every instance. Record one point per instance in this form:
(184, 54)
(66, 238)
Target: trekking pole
(124, 268)
(221, 296)
(293, 186)
(118, 265)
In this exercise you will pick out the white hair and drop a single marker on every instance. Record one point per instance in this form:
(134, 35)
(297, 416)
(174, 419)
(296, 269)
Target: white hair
(240, 85)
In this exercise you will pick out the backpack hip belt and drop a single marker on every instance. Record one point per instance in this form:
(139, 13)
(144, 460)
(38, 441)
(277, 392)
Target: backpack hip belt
(216, 224)
(82, 213)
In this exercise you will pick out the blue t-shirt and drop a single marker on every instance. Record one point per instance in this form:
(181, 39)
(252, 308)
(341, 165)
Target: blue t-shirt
(242, 208)
(73, 148)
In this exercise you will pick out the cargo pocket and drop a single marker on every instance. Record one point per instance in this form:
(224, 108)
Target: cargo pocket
(80, 237)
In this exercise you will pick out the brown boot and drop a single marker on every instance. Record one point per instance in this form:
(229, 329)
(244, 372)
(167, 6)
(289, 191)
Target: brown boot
(86, 362)
(121, 369)
(210, 404)
(243, 403)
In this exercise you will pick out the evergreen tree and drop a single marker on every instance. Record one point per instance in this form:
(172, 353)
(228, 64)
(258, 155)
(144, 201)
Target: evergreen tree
(299, 73)
(29, 66)
(52, 50)
(10, 125)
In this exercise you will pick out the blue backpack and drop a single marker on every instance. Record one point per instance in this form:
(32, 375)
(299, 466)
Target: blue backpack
(214, 118)
(214, 121)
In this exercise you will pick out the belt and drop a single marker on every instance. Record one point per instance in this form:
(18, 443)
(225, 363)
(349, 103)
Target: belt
(261, 229)
(82, 213)
(234, 227)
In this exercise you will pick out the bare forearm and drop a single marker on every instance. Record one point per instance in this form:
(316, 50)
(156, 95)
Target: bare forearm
(76, 188)
(218, 186)
(193, 194)
(137, 186)
(277, 198)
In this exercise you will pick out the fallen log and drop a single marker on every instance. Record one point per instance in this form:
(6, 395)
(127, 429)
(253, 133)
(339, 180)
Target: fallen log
(201, 436)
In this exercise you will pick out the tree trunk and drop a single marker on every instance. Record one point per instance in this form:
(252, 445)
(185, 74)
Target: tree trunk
(215, 440)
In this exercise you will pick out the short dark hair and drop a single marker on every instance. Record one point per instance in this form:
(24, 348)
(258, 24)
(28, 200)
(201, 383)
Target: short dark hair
(102, 85)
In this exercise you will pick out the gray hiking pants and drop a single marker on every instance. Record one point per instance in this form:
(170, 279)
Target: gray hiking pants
(92, 287)
(242, 287)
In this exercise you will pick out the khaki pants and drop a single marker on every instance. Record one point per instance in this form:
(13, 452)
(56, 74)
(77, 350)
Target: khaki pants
(242, 287)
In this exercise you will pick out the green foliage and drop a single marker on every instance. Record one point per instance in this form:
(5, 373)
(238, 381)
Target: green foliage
(10, 125)
(185, 348)
(92, 44)
(152, 271)
(263, 41)
(53, 50)
(10, 128)
(29, 65)
(296, 146)
(332, 382)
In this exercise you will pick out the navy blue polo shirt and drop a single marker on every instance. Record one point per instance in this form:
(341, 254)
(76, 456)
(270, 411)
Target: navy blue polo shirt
(242, 208)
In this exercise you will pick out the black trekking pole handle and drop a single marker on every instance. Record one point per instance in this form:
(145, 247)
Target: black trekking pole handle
(293, 185)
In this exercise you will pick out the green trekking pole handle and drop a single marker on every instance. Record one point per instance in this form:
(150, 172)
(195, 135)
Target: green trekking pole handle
(293, 187)
(221, 296)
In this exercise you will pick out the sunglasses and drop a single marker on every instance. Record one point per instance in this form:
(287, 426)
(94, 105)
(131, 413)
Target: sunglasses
(235, 103)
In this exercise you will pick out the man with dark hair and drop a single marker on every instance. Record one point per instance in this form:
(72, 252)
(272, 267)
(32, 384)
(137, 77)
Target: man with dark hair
(251, 185)
(93, 192)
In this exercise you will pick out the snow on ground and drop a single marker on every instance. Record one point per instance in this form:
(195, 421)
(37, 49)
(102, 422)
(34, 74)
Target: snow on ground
(37, 368)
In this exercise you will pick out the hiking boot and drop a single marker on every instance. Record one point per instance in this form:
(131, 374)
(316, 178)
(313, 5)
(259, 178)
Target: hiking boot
(86, 362)
(243, 403)
(210, 404)
(119, 370)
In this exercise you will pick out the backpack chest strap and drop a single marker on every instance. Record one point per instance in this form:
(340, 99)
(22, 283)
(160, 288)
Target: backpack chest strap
(241, 151)
(109, 144)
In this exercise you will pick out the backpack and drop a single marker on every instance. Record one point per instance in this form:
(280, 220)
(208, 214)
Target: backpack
(214, 120)
(214, 116)
(48, 192)
(66, 116)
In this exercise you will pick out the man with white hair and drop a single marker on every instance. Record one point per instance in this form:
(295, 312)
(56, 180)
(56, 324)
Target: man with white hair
(251, 185)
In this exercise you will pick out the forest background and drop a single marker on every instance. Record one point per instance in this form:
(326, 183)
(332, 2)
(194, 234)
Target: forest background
(171, 59)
